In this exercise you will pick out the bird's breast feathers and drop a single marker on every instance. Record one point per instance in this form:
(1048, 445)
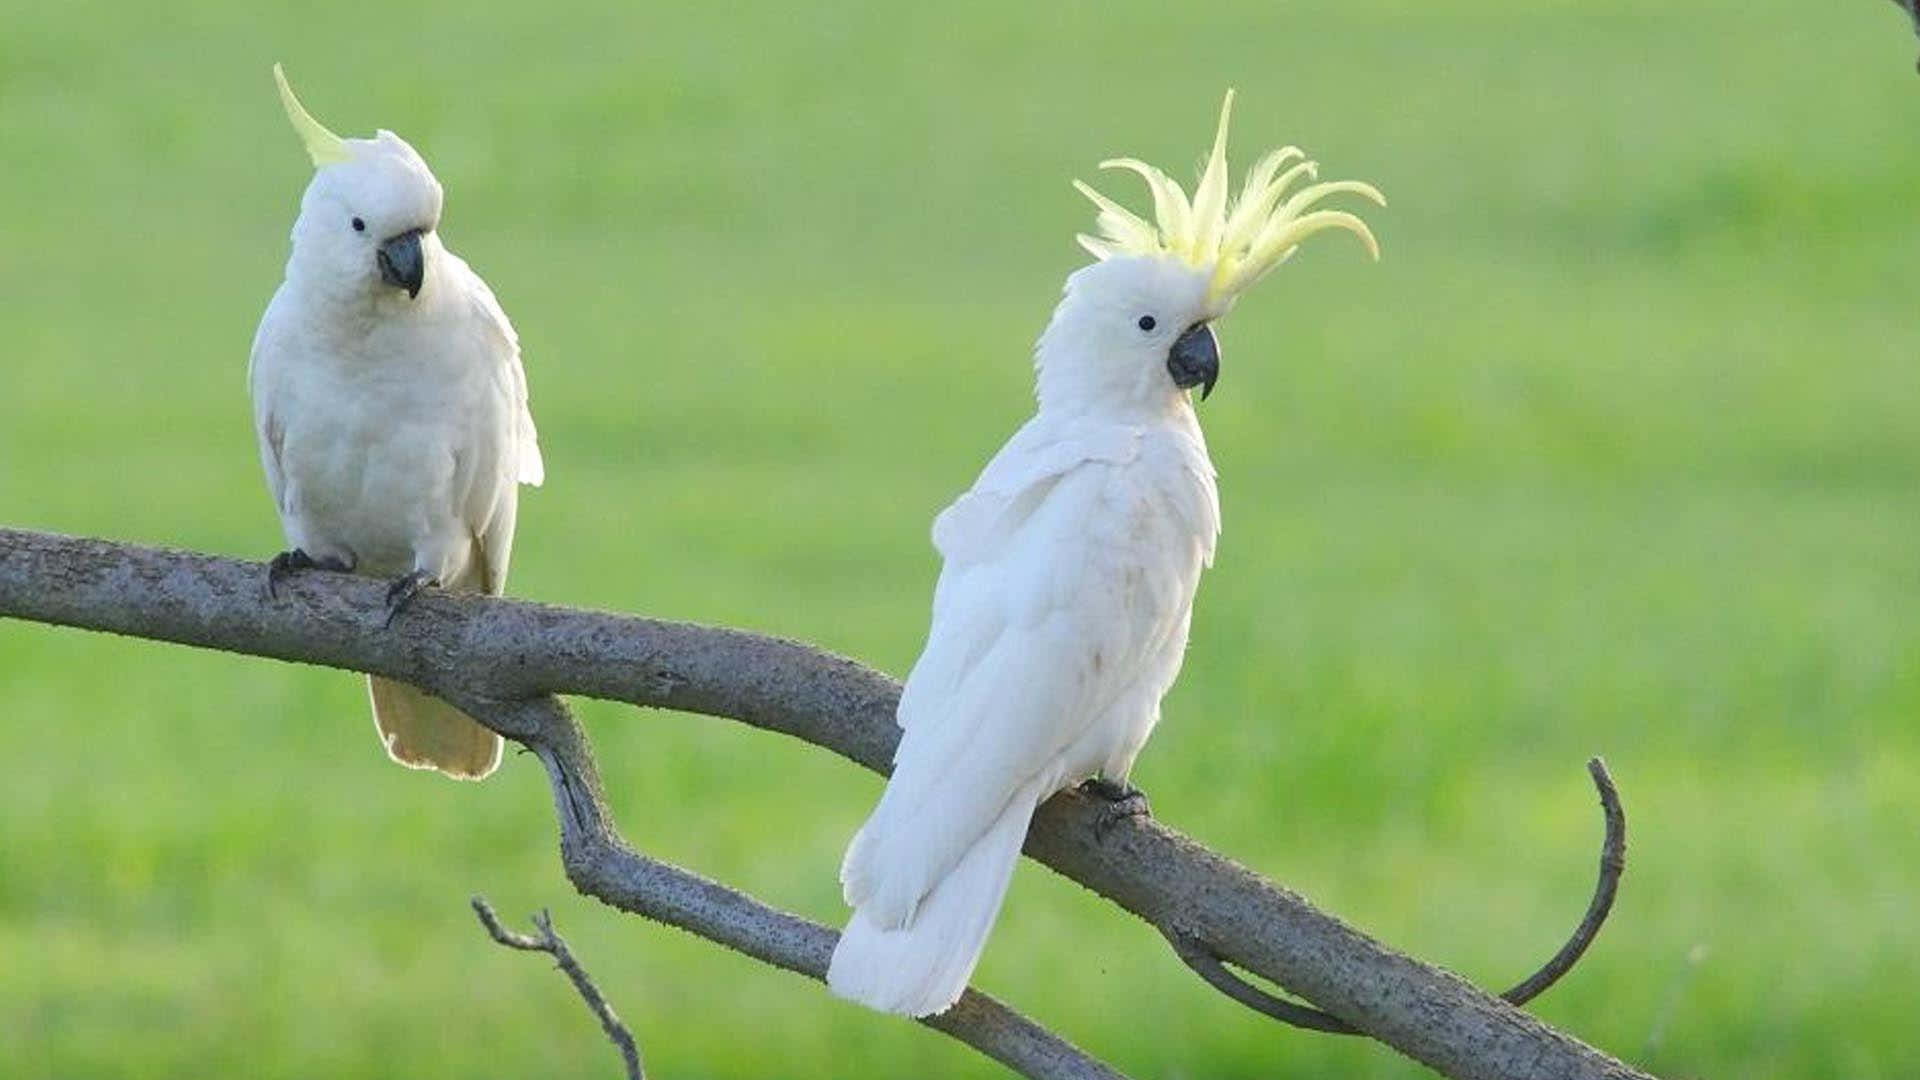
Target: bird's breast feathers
(379, 433)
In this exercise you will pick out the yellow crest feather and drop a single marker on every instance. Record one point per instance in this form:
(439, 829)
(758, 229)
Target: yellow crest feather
(1241, 239)
(323, 146)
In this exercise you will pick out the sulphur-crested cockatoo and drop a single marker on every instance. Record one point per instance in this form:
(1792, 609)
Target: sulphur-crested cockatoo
(391, 410)
(1061, 615)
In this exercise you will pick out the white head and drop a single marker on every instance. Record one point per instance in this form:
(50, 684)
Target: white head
(1131, 333)
(367, 222)
(1134, 330)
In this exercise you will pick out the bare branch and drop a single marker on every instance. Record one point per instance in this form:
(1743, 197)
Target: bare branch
(555, 946)
(497, 658)
(335, 618)
(1613, 862)
(601, 864)
(1207, 965)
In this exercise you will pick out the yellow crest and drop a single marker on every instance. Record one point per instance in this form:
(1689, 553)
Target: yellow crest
(323, 146)
(1243, 240)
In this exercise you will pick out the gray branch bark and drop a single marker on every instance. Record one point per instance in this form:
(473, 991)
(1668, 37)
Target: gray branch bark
(503, 659)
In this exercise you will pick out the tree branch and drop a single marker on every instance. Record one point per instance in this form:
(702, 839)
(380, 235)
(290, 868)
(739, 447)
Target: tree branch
(1613, 862)
(601, 864)
(556, 946)
(499, 659)
(220, 603)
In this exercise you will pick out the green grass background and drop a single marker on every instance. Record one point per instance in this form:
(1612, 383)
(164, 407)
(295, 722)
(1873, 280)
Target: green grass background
(1616, 451)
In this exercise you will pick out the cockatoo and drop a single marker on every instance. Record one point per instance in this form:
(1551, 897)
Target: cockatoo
(391, 410)
(1060, 617)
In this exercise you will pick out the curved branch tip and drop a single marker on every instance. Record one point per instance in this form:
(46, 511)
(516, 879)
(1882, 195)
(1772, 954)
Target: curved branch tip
(1196, 954)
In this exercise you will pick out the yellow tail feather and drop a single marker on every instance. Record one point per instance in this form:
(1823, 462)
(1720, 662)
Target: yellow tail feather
(422, 732)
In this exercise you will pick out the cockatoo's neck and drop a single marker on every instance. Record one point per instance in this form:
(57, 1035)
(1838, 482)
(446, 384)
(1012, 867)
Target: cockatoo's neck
(1062, 398)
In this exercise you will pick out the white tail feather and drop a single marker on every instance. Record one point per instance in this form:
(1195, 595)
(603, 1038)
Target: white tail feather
(923, 967)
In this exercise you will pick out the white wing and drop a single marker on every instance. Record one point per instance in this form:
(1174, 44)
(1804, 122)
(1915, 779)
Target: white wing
(987, 544)
(1064, 576)
(264, 383)
(529, 467)
(507, 456)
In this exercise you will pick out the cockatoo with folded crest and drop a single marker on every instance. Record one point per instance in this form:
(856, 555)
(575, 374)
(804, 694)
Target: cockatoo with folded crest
(1061, 614)
(391, 410)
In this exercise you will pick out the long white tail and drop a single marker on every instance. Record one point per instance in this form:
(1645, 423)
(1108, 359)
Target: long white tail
(422, 732)
(922, 968)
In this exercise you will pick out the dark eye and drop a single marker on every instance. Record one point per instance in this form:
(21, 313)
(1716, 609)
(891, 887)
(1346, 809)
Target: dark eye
(1147, 322)
(359, 226)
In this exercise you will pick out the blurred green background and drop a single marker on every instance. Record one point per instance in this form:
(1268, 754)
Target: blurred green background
(1615, 452)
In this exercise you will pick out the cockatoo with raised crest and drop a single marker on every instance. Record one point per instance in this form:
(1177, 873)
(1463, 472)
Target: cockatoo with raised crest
(391, 410)
(1061, 614)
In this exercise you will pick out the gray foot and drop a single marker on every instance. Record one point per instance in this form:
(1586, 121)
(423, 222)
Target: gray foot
(1123, 801)
(281, 566)
(404, 589)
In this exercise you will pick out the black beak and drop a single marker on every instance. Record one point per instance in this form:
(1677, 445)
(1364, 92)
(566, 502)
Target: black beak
(400, 262)
(1194, 359)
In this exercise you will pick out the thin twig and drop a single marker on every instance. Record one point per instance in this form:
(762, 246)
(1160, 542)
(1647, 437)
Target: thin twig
(554, 945)
(1196, 955)
(1613, 862)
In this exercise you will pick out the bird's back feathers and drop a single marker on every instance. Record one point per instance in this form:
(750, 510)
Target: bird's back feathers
(1059, 621)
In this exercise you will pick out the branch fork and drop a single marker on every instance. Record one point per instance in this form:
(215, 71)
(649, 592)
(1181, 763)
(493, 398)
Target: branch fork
(504, 660)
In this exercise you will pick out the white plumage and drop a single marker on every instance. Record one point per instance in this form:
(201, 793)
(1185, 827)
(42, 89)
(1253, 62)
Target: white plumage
(391, 408)
(1059, 622)
(1060, 618)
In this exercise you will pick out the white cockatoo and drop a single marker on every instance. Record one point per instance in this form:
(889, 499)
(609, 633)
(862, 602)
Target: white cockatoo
(1061, 614)
(391, 409)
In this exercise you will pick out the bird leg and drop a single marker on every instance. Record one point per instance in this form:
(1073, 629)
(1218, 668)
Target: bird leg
(287, 562)
(1123, 801)
(404, 589)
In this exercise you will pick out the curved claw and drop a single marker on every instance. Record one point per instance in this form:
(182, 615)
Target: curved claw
(1207, 964)
(283, 565)
(280, 566)
(1123, 801)
(403, 590)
